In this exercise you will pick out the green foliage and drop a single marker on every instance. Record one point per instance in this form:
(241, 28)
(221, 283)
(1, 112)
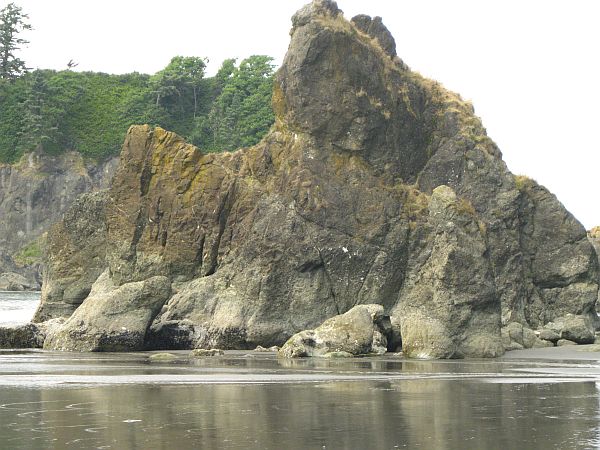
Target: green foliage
(30, 253)
(91, 112)
(241, 113)
(12, 22)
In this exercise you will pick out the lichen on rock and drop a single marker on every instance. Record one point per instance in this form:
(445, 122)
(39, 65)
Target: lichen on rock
(374, 186)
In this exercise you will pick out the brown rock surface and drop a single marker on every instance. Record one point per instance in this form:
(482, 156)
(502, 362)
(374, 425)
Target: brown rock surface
(375, 185)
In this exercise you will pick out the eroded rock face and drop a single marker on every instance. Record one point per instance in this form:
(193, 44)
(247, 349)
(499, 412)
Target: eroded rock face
(75, 257)
(375, 186)
(453, 276)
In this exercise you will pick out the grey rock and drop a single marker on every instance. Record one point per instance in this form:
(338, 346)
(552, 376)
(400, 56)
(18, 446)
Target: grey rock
(202, 352)
(377, 30)
(75, 257)
(589, 348)
(448, 304)
(112, 318)
(21, 336)
(34, 193)
(261, 349)
(563, 342)
(354, 332)
(577, 329)
(540, 343)
(10, 281)
(515, 336)
(549, 335)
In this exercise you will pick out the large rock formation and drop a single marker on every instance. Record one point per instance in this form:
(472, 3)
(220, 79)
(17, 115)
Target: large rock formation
(375, 185)
(34, 193)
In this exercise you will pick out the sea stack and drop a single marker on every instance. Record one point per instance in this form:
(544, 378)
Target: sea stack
(374, 186)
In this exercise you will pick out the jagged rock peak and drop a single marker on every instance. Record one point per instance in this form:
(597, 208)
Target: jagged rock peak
(375, 28)
(316, 8)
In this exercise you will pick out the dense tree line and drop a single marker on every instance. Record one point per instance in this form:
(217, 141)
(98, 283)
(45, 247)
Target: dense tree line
(54, 111)
(89, 112)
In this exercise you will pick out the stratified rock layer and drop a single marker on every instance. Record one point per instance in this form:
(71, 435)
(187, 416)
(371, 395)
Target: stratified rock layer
(375, 186)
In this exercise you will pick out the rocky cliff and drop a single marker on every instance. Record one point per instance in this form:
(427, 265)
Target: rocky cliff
(34, 193)
(375, 186)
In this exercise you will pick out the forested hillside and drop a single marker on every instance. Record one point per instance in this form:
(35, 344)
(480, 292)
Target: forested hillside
(89, 112)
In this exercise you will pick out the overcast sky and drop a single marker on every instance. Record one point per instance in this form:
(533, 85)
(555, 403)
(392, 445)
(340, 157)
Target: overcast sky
(531, 68)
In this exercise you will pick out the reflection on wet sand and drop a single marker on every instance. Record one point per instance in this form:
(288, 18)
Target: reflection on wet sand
(425, 413)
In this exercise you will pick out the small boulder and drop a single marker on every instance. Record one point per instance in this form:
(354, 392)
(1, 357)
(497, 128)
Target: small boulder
(21, 336)
(540, 343)
(589, 348)
(355, 332)
(563, 342)
(10, 281)
(577, 329)
(549, 335)
(203, 352)
(338, 355)
(262, 349)
(515, 336)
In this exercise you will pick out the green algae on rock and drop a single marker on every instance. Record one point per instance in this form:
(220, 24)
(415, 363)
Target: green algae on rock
(374, 186)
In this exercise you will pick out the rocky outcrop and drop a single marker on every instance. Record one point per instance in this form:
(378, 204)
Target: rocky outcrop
(453, 276)
(21, 336)
(10, 281)
(113, 318)
(359, 331)
(375, 186)
(75, 257)
(575, 328)
(34, 193)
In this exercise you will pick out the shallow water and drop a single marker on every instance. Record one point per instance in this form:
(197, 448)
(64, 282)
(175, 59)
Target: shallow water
(17, 307)
(247, 400)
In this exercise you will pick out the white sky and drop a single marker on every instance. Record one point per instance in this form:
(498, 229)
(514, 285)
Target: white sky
(531, 68)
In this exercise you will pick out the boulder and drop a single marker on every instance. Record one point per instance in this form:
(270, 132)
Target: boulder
(515, 336)
(163, 356)
(577, 329)
(112, 318)
(564, 342)
(549, 335)
(21, 336)
(350, 334)
(203, 352)
(540, 343)
(261, 349)
(10, 281)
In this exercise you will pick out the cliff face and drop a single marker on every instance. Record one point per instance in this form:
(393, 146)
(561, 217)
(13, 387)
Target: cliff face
(34, 193)
(374, 186)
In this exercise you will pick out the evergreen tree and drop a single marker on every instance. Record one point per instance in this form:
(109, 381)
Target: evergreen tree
(181, 77)
(242, 114)
(12, 22)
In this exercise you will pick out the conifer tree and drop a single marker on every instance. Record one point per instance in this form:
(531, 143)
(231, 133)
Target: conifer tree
(12, 22)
